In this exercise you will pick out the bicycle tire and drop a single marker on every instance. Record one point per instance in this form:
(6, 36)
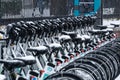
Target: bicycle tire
(103, 58)
(63, 76)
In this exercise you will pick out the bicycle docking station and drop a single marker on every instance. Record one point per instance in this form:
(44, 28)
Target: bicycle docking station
(60, 49)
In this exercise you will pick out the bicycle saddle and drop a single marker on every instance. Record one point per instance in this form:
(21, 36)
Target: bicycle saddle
(28, 60)
(78, 38)
(94, 32)
(109, 30)
(64, 38)
(86, 36)
(22, 78)
(58, 60)
(104, 31)
(65, 57)
(70, 54)
(71, 34)
(55, 46)
(115, 24)
(11, 64)
(97, 32)
(101, 27)
(2, 32)
(38, 50)
(51, 64)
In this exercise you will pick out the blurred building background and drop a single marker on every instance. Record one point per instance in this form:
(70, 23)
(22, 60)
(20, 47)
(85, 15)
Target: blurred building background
(23, 8)
(111, 8)
(12, 9)
(32, 8)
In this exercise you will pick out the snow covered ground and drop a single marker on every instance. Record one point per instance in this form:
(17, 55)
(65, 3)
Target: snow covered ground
(108, 22)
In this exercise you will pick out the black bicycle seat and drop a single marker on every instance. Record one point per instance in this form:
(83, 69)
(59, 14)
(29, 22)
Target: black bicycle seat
(64, 38)
(97, 32)
(2, 32)
(109, 30)
(78, 39)
(94, 32)
(58, 60)
(28, 60)
(65, 57)
(22, 78)
(70, 54)
(115, 24)
(101, 27)
(55, 46)
(103, 31)
(86, 36)
(11, 64)
(71, 34)
(38, 50)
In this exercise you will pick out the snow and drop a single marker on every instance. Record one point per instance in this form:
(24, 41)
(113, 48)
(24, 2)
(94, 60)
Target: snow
(55, 45)
(86, 36)
(39, 48)
(2, 77)
(110, 21)
(80, 37)
(64, 37)
(27, 58)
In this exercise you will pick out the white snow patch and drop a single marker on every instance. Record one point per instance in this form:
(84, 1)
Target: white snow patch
(39, 48)
(110, 21)
(2, 77)
(64, 37)
(56, 45)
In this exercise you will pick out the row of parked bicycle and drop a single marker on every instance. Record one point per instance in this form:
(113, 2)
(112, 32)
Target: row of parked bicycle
(59, 49)
(47, 27)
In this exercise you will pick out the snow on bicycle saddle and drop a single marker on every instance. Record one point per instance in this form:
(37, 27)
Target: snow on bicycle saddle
(104, 31)
(55, 45)
(78, 38)
(97, 32)
(2, 77)
(71, 34)
(28, 60)
(11, 64)
(65, 57)
(64, 38)
(108, 29)
(110, 26)
(86, 36)
(101, 26)
(115, 24)
(30, 22)
(58, 60)
(39, 49)
(94, 32)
